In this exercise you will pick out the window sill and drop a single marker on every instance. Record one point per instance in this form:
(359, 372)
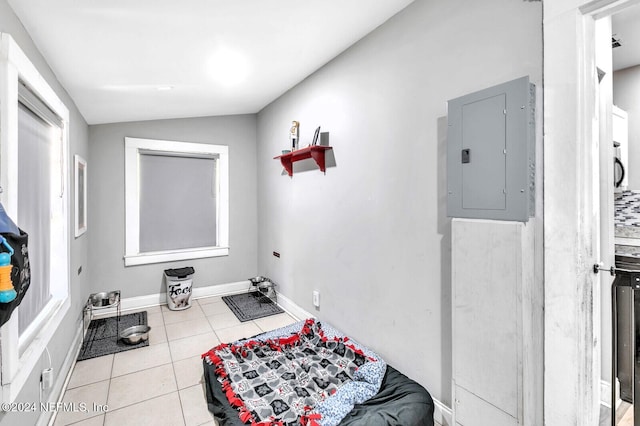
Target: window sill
(174, 255)
(29, 359)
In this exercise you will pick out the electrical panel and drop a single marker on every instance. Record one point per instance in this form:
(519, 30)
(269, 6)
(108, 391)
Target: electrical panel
(491, 153)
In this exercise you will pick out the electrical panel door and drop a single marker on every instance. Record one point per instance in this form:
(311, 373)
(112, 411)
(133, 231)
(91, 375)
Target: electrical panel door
(484, 145)
(491, 153)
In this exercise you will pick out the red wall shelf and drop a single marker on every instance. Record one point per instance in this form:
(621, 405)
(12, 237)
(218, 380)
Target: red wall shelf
(316, 152)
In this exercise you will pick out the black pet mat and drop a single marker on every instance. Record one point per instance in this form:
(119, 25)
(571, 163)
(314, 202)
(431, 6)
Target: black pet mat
(252, 305)
(102, 336)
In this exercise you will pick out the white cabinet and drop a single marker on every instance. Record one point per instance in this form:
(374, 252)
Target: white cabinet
(497, 324)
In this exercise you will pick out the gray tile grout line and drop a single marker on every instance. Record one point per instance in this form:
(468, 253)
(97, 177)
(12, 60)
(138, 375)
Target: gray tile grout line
(113, 360)
(175, 377)
(132, 404)
(157, 396)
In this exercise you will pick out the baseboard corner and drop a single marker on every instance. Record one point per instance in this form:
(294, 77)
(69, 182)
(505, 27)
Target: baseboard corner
(292, 308)
(442, 414)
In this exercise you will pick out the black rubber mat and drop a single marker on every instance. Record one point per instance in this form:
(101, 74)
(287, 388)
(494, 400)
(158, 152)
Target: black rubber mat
(102, 336)
(252, 305)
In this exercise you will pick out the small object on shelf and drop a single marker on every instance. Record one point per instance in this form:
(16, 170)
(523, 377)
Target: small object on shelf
(315, 137)
(294, 134)
(316, 152)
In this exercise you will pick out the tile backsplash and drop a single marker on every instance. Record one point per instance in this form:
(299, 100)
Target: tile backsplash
(627, 209)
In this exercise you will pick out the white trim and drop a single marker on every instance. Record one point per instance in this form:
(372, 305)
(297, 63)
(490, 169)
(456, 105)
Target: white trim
(571, 212)
(571, 359)
(139, 302)
(30, 358)
(11, 52)
(605, 393)
(441, 413)
(174, 255)
(79, 162)
(14, 67)
(134, 147)
(603, 8)
(221, 289)
(60, 385)
(31, 332)
(292, 309)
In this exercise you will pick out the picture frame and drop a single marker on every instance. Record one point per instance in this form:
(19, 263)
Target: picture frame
(80, 181)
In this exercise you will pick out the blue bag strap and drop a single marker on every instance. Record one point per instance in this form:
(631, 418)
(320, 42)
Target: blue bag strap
(6, 224)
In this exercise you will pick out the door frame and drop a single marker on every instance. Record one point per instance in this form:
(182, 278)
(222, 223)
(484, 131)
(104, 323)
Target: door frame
(572, 353)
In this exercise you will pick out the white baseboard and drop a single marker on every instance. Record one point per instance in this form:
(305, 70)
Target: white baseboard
(219, 290)
(139, 302)
(292, 309)
(57, 391)
(442, 414)
(605, 393)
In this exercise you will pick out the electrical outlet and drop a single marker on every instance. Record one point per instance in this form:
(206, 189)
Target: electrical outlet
(316, 298)
(47, 378)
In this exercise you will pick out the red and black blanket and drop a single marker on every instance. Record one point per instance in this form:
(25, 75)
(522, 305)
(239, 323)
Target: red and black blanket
(290, 380)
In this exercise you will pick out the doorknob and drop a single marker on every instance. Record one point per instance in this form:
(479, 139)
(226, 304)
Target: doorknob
(600, 267)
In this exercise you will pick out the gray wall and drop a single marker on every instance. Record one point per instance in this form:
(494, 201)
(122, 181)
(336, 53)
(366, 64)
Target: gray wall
(59, 346)
(626, 95)
(106, 218)
(372, 234)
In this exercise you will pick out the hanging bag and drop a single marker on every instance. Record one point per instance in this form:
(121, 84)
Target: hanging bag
(21, 272)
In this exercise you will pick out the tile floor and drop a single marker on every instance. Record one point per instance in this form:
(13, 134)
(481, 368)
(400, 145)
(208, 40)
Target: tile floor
(160, 384)
(624, 415)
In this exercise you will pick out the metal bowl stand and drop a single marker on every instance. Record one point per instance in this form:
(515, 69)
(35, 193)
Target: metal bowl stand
(90, 307)
(265, 287)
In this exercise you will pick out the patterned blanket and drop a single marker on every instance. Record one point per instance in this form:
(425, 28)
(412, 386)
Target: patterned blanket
(308, 377)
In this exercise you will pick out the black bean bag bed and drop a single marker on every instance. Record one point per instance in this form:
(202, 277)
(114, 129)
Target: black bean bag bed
(237, 377)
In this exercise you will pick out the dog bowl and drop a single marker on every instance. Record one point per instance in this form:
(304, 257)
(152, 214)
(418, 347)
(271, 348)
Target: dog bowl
(135, 334)
(257, 280)
(101, 300)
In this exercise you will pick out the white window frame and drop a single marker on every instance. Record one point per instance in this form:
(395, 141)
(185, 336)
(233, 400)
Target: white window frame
(16, 369)
(134, 147)
(80, 198)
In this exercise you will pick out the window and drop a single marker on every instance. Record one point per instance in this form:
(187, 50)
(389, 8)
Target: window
(34, 179)
(37, 140)
(177, 201)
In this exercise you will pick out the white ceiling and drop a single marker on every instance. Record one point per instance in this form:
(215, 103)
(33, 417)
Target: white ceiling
(626, 25)
(219, 56)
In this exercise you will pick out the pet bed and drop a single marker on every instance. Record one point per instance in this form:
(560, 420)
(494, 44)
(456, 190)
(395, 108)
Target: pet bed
(309, 373)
